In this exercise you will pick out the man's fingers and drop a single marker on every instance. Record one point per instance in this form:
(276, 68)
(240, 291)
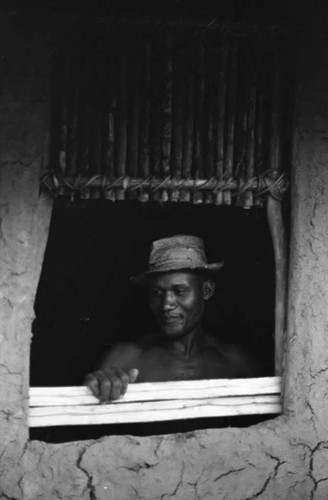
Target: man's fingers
(116, 387)
(104, 386)
(112, 384)
(133, 374)
(124, 378)
(92, 382)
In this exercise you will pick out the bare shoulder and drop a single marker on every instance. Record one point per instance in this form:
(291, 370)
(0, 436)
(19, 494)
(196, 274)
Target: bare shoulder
(220, 345)
(123, 355)
(244, 363)
(128, 354)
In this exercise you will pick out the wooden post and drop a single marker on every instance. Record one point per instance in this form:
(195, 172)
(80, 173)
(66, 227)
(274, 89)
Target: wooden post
(229, 157)
(177, 138)
(198, 160)
(72, 105)
(278, 233)
(110, 119)
(122, 125)
(248, 197)
(188, 129)
(209, 116)
(157, 75)
(63, 116)
(222, 89)
(133, 89)
(275, 115)
(259, 133)
(98, 96)
(84, 112)
(167, 115)
(144, 136)
(275, 217)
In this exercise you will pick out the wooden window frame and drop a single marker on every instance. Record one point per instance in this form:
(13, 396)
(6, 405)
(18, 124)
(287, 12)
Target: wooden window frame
(175, 400)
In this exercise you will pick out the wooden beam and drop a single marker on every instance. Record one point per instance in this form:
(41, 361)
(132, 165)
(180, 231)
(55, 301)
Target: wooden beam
(279, 239)
(150, 402)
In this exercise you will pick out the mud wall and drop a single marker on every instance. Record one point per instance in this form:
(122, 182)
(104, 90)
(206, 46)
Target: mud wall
(280, 459)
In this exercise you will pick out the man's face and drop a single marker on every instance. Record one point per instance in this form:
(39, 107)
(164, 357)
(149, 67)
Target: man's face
(177, 301)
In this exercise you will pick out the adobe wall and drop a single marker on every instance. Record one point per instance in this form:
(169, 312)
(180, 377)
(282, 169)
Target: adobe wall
(280, 459)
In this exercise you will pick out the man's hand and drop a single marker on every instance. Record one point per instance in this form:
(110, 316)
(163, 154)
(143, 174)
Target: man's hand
(110, 384)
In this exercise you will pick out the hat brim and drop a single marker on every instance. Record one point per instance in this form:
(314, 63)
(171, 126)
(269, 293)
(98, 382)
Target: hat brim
(210, 269)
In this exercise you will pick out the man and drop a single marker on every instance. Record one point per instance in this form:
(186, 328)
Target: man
(179, 280)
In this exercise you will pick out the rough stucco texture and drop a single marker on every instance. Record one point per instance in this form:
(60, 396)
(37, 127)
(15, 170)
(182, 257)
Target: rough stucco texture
(281, 459)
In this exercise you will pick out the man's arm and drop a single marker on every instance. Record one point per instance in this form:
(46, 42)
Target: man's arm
(115, 371)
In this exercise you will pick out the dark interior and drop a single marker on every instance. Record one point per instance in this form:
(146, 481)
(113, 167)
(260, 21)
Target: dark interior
(86, 301)
(85, 298)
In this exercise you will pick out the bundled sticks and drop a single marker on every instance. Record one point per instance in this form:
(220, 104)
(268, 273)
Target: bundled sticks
(151, 402)
(267, 182)
(161, 104)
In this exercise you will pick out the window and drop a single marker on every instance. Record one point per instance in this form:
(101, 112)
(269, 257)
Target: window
(189, 119)
(85, 298)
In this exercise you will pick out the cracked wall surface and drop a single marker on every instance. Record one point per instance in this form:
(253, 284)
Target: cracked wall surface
(285, 458)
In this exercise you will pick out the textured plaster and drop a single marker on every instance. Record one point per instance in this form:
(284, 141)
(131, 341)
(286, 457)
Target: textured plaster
(280, 459)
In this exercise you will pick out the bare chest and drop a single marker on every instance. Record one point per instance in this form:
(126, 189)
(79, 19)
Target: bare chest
(157, 365)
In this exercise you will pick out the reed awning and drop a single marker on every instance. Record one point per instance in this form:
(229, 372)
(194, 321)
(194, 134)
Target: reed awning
(181, 114)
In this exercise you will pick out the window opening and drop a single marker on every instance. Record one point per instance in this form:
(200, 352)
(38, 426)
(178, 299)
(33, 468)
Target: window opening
(175, 116)
(85, 299)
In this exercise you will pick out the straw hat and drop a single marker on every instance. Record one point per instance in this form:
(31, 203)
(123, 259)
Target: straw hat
(177, 253)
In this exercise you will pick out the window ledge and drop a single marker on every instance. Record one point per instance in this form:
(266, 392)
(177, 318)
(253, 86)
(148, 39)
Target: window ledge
(157, 401)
